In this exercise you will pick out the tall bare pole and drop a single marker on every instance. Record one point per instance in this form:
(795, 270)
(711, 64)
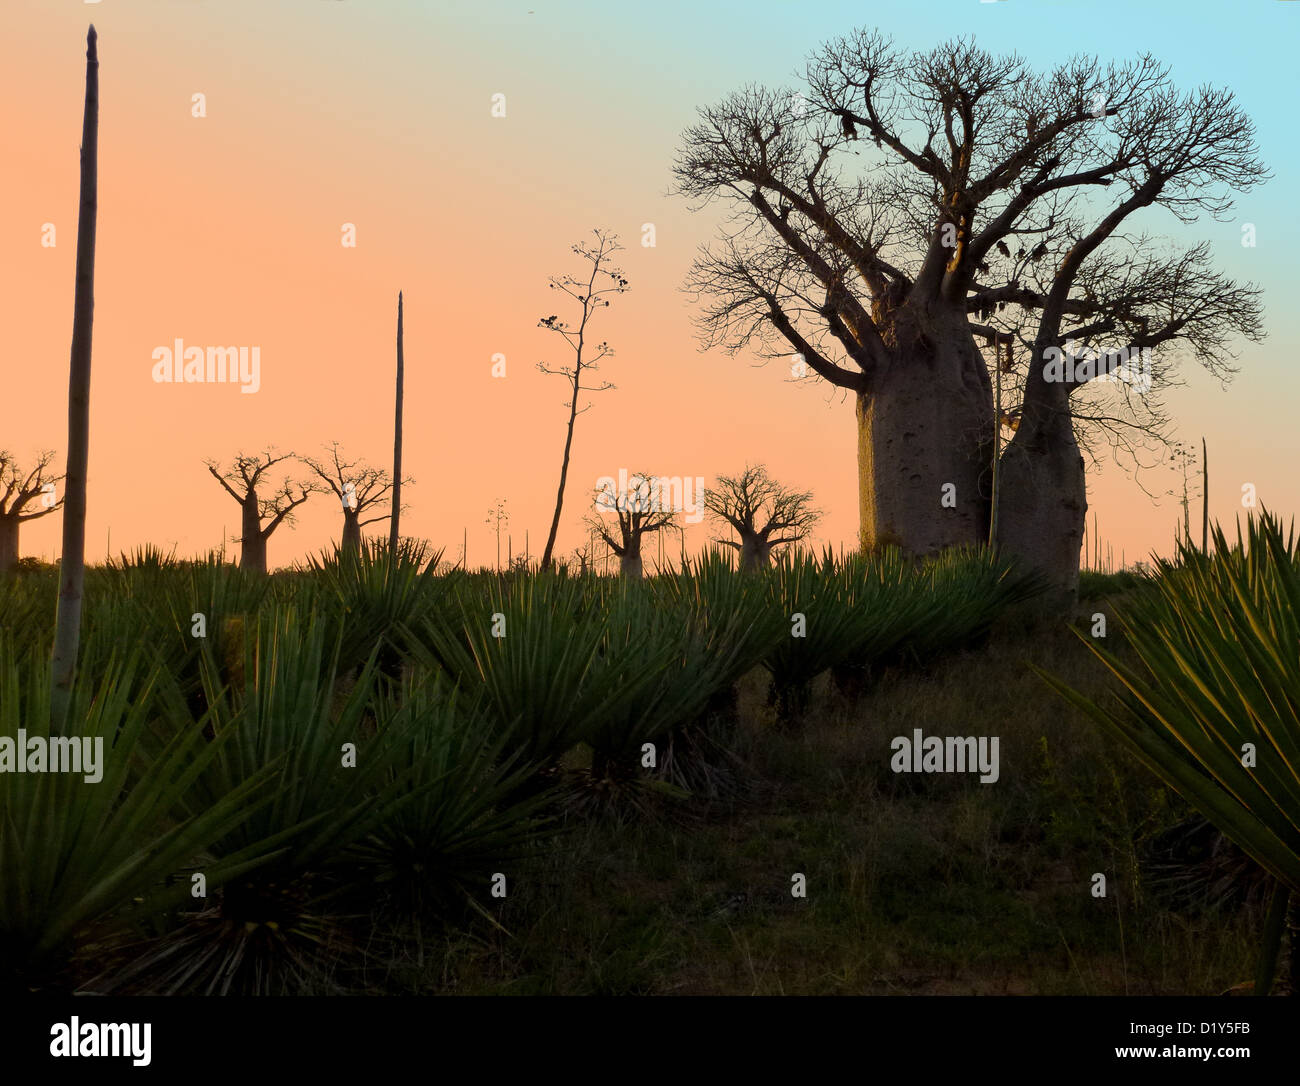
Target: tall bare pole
(397, 437)
(1205, 499)
(72, 568)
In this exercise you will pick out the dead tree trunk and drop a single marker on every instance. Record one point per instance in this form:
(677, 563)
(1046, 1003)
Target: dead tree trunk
(67, 630)
(397, 437)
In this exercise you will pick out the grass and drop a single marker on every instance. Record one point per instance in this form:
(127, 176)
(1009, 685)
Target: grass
(916, 884)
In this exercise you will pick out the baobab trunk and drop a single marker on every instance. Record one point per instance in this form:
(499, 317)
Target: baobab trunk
(1043, 499)
(397, 437)
(252, 543)
(754, 553)
(629, 564)
(924, 439)
(67, 629)
(351, 543)
(8, 543)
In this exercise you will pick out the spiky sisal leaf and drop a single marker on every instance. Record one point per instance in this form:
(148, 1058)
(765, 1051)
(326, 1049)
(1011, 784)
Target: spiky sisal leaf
(73, 852)
(1219, 642)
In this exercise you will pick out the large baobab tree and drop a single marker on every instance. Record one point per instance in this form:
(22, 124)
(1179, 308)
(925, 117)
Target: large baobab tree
(72, 558)
(18, 490)
(912, 221)
(586, 357)
(358, 487)
(638, 511)
(762, 512)
(261, 513)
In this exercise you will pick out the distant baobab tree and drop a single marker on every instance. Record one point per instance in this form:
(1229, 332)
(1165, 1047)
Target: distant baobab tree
(638, 514)
(765, 514)
(19, 489)
(260, 515)
(72, 559)
(909, 221)
(358, 487)
(590, 291)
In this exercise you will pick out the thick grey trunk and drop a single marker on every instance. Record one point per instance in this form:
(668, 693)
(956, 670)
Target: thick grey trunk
(1043, 500)
(629, 563)
(252, 544)
(8, 543)
(754, 552)
(924, 440)
(351, 532)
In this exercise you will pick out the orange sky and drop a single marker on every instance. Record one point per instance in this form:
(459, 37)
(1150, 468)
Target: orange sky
(225, 230)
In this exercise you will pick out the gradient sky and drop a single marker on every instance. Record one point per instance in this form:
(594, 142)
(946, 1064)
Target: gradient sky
(225, 230)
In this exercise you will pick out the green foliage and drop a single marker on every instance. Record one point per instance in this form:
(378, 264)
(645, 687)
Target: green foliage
(74, 853)
(1218, 642)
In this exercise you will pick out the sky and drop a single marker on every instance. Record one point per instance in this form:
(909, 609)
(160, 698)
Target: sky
(226, 229)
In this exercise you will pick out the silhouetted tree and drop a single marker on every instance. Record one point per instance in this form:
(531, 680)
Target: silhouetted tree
(763, 513)
(890, 272)
(259, 515)
(590, 298)
(359, 488)
(72, 561)
(20, 490)
(638, 512)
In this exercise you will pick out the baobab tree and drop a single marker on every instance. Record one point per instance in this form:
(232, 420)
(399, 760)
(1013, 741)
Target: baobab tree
(591, 298)
(762, 512)
(358, 487)
(260, 514)
(72, 558)
(638, 512)
(20, 490)
(911, 220)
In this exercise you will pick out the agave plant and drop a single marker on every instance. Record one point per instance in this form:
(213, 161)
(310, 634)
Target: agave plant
(732, 627)
(1214, 707)
(852, 611)
(464, 821)
(273, 930)
(537, 664)
(76, 854)
(371, 594)
(967, 589)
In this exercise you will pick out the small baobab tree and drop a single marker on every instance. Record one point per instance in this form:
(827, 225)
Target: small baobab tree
(639, 511)
(246, 481)
(591, 291)
(763, 513)
(20, 490)
(359, 489)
